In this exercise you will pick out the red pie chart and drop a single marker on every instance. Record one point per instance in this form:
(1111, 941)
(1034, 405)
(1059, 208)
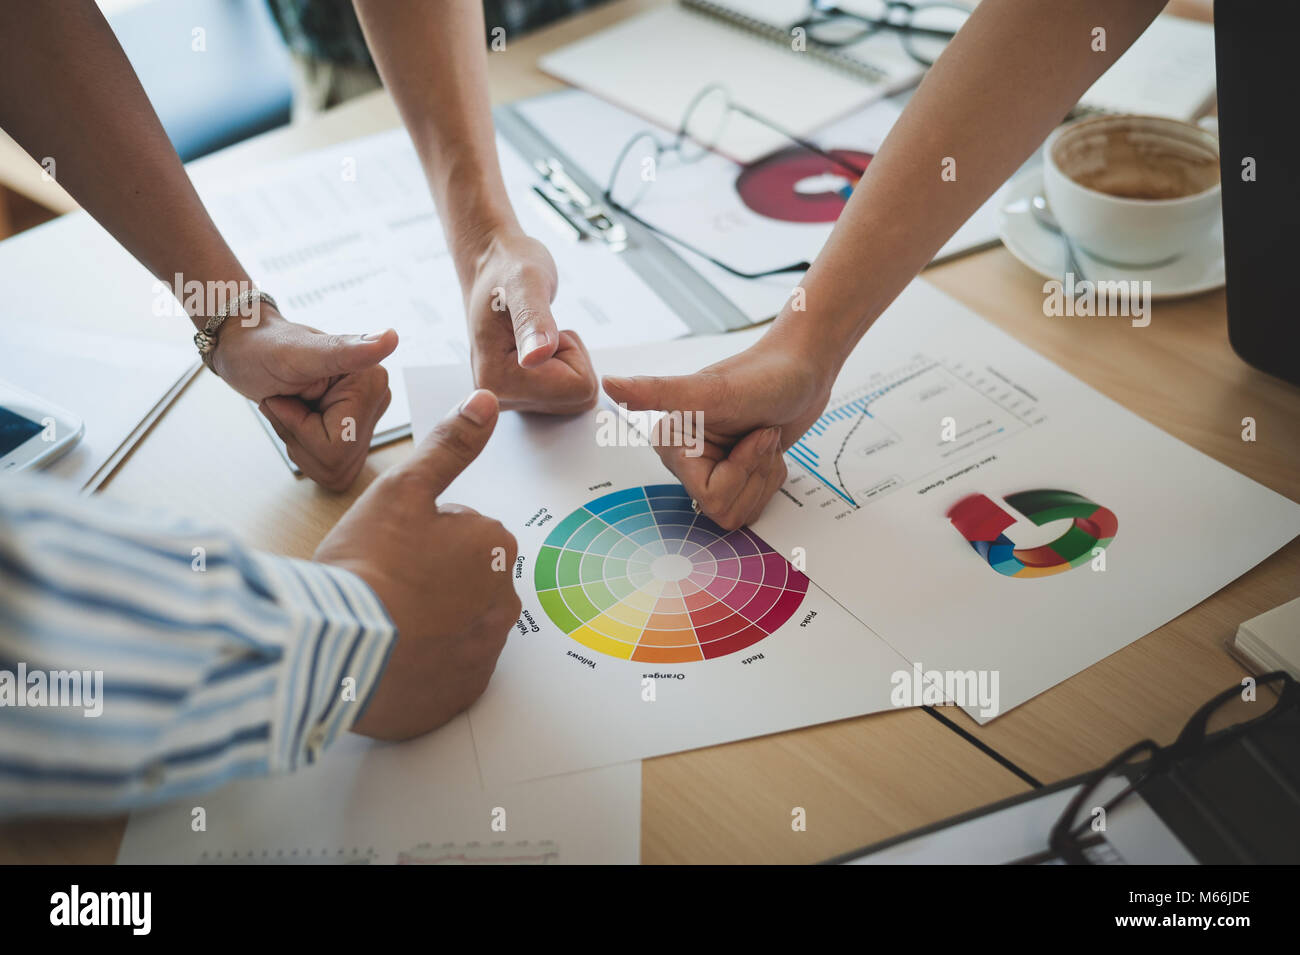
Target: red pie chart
(797, 185)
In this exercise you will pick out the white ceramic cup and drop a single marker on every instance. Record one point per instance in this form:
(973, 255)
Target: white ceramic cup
(1131, 231)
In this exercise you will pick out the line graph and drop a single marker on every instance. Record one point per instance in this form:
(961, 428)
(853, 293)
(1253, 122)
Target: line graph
(898, 426)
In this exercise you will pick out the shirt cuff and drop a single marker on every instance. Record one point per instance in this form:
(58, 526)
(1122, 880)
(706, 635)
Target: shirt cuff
(338, 644)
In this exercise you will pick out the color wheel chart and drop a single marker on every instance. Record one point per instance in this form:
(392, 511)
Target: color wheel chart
(638, 575)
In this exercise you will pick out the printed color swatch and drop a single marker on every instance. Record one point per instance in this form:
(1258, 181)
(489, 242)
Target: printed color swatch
(638, 575)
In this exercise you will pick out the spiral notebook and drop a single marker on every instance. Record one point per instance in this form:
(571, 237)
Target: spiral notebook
(655, 63)
(1168, 71)
(878, 58)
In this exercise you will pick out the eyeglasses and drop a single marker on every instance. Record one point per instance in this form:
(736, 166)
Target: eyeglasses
(1212, 726)
(706, 118)
(924, 28)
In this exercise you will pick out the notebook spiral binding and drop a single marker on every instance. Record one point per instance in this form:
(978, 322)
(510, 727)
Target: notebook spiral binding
(828, 55)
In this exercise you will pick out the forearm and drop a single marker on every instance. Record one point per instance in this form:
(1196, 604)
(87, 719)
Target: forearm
(142, 659)
(67, 91)
(1011, 74)
(433, 59)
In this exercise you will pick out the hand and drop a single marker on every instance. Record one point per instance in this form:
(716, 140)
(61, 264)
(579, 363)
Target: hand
(442, 571)
(323, 394)
(753, 407)
(516, 349)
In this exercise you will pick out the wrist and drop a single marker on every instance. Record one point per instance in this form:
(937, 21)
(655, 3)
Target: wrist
(475, 244)
(815, 342)
(475, 209)
(205, 288)
(237, 334)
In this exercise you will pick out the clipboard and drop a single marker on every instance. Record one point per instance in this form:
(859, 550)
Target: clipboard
(571, 195)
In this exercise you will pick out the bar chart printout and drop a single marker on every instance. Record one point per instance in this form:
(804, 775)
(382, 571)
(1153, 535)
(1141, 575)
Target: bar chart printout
(897, 427)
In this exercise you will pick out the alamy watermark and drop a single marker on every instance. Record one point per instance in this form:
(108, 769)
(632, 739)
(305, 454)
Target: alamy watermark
(128, 909)
(83, 689)
(964, 688)
(193, 297)
(1126, 298)
(642, 429)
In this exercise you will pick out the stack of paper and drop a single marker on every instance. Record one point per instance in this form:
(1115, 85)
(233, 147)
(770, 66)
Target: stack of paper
(1271, 641)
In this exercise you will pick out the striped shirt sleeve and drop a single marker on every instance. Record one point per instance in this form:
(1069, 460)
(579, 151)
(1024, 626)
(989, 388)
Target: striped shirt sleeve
(145, 658)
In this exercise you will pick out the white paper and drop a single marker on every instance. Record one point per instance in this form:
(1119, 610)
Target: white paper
(1168, 71)
(412, 803)
(1187, 525)
(698, 201)
(557, 704)
(348, 240)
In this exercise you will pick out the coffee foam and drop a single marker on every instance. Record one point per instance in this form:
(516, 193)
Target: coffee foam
(1138, 163)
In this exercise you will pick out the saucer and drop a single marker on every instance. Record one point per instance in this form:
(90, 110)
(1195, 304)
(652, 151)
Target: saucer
(1200, 270)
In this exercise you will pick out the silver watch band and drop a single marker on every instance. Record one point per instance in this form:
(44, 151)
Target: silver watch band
(206, 339)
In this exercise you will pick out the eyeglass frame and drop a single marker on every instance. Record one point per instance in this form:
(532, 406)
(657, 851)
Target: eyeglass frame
(1064, 840)
(820, 15)
(662, 148)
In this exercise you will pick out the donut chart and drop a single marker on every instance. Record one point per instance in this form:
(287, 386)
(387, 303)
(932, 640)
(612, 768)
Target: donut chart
(795, 185)
(981, 522)
(638, 575)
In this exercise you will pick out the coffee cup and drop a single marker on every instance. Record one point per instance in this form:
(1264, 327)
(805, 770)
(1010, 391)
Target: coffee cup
(1133, 190)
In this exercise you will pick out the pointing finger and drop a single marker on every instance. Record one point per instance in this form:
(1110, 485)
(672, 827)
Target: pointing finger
(457, 440)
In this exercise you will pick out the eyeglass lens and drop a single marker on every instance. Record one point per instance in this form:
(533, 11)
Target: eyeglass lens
(637, 170)
(706, 119)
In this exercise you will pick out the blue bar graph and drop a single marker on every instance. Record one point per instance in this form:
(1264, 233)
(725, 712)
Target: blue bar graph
(802, 453)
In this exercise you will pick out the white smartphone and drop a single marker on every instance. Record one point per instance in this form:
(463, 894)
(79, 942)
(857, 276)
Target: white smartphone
(33, 432)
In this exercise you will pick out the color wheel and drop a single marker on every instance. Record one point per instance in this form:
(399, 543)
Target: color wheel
(638, 575)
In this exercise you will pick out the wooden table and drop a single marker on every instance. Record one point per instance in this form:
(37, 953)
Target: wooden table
(859, 780)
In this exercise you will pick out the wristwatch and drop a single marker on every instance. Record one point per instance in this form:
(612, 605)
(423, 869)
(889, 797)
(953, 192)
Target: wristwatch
(206, 339)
